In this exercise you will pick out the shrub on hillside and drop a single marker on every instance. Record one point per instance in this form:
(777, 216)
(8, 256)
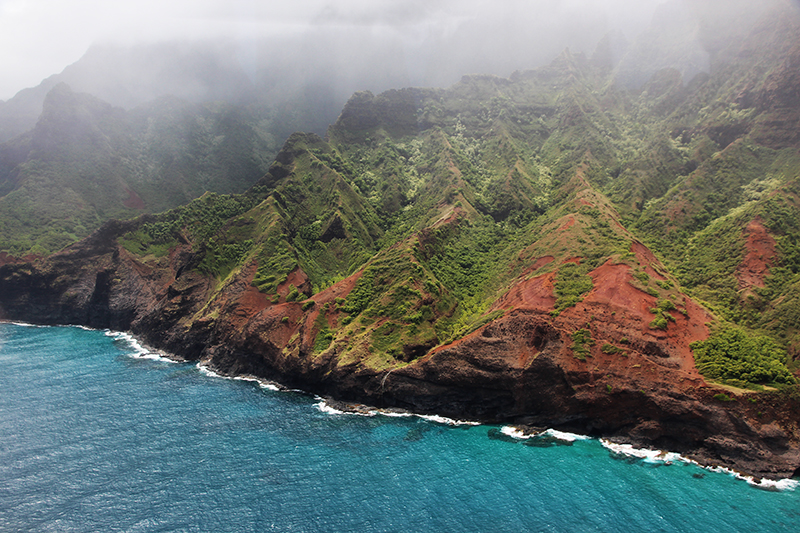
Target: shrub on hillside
(730, 353)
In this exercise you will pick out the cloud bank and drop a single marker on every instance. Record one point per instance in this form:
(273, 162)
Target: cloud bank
(40, 37)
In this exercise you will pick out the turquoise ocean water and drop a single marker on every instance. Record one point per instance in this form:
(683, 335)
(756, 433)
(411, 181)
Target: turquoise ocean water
(94, 438)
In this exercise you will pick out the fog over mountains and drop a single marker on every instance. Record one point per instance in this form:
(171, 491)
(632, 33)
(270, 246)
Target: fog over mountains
(40, 37)
(321, 53)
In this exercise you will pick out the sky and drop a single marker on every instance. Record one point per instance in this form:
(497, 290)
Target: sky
(39, 38)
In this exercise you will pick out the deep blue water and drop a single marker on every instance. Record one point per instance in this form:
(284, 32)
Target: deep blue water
(95, 439)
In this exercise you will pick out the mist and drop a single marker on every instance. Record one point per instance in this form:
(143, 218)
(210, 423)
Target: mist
(303, 60)
(429, 42)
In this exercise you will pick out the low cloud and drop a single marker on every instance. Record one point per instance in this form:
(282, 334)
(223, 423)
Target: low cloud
(40, 37)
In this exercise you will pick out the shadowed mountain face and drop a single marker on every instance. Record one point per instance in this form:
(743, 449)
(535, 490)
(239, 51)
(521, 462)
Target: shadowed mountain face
(87, 161)
(548, 249)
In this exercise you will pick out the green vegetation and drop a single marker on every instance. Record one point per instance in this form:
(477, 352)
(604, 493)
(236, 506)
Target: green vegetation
(570, 286)
(200, 221)
(87, 162)
(440, 201)
(275, 261)
(663, 318)
(730, 353)
(611, 349)
(324, 334)
(581, 343)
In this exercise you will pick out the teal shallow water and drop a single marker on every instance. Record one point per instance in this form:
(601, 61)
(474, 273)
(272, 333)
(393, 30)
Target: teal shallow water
(94, 439)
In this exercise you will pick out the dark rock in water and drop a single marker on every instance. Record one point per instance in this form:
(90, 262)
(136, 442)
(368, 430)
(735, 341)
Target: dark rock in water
(546, 441)
(415, 434)
(348, 407)
(698, 476)
(497, 434)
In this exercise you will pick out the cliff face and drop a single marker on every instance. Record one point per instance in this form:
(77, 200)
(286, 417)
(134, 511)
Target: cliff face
(520, 365)
(520, 368)
(542, 250)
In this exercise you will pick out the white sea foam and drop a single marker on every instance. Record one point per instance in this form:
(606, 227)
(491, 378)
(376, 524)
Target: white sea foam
(658, 456)
(327, 408)
(648, 456)
(207, 371)
(563, 435)
(365, 410)
(517, 433)
(511, 431)
(448, 421)
(140, 351)
(29, 325)
(269, 385)
(761, 483)
(24, 324)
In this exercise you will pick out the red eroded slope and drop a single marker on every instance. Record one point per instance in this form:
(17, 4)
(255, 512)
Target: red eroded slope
(625, 311)
(759, 257)
(617, 313)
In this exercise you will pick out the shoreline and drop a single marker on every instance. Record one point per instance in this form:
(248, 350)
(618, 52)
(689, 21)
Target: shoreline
(337, 407)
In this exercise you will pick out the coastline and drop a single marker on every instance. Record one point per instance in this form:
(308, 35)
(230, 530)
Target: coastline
(617, 444)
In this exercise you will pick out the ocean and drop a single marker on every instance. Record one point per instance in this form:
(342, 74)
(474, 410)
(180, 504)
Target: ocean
(98, 435)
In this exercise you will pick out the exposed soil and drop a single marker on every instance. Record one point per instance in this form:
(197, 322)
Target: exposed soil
(760, 254)
(133, 201)
(297, 279)
(535, 294)
(7, 259)
(568, 224)
(647, 259)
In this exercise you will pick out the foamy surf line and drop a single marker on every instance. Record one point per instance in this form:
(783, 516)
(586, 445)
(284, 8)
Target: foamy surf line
(29, 325)
(364, 410)
(659, 456)
(648, 456)
(324, 406)
(23, 324)
(517, 433)
(140, 351)
(269, 385)
(761, 483)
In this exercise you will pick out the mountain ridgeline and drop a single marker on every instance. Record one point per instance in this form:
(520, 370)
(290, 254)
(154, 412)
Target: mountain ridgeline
(549, 250)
